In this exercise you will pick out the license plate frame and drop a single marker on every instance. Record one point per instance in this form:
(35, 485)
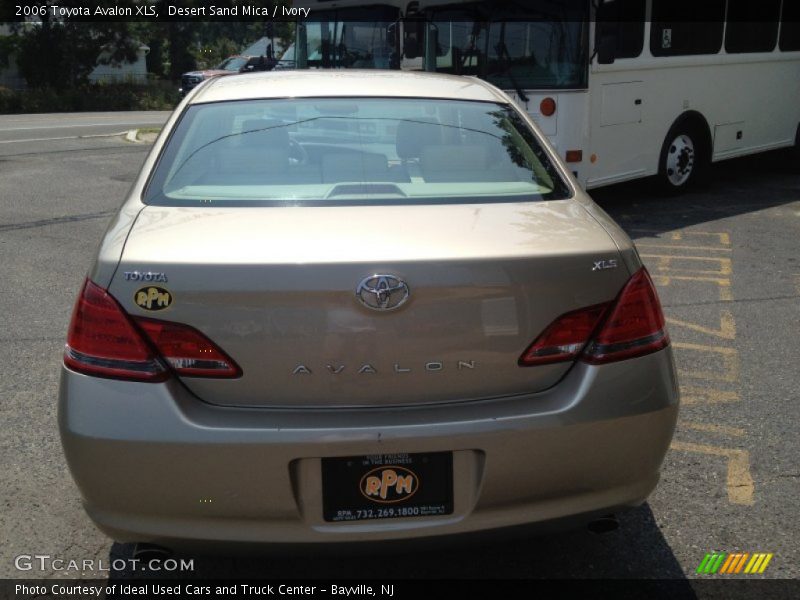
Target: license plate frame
(362, 488)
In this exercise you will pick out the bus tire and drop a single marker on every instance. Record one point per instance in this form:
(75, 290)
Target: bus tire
(684, 157)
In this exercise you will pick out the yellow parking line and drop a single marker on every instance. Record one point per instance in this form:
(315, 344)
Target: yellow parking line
(739, 480)
(727, 326)
(702, 395)
(720, 429)
(724, 238)
(676, 235)
(730, 361)
(723, 283)
(665, 263)
(675, 247)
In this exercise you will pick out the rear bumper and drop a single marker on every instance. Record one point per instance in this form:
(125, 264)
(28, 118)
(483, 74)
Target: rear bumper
(147, 458)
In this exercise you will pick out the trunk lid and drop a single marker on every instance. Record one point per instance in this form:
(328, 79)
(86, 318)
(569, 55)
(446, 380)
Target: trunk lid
(275, 288)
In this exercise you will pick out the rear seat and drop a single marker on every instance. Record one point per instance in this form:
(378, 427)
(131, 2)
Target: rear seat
(412, 137)
(260, 154)
(453, 163)
(262, 148)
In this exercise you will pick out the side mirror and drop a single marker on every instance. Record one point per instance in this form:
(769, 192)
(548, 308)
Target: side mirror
(607, 48)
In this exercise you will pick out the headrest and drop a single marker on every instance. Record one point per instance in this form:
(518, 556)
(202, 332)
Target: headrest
(244, 161)
(413, 135)
(265, 133)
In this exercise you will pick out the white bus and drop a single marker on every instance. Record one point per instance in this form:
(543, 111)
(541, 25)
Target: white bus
(349, 34)
(623, 89)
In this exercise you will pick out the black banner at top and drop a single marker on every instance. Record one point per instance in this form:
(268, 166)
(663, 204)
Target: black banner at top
(292, 10)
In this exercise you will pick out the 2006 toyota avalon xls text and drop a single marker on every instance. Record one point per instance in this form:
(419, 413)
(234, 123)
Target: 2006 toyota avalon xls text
(356, 306)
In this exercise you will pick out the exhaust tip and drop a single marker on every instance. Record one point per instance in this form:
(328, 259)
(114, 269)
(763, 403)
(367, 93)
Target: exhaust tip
(148, 552)
(604, 524)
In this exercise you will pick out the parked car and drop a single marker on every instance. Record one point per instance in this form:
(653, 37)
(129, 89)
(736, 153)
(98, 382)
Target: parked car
(348, 306)
(229, 66)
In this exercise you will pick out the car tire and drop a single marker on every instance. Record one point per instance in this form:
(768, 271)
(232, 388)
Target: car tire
(683, 159)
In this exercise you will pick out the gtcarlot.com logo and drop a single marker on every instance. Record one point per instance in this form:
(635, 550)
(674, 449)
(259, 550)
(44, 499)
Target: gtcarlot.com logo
(47, 562)
(734, 563)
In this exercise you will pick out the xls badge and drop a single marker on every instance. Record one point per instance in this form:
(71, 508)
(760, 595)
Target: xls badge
(602, 265)
(388, 485)
(152, 298)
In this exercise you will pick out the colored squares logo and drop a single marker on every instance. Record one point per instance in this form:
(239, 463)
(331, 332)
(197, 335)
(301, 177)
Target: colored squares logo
(734, 563)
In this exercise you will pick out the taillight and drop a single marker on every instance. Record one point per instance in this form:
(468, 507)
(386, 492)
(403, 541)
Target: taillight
(573, 156)
(188, 351)
(564, 338)
(547, 107)
(633, 325)
(104, 341)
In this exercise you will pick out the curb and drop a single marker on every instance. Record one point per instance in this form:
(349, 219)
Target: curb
(100, 135)
(131, 136)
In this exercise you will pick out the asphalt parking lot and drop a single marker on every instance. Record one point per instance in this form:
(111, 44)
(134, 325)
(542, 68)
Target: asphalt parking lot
(725, 259)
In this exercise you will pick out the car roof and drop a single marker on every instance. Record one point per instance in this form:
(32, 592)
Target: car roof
(346, 83)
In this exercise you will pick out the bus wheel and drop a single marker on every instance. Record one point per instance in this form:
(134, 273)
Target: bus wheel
(682, 159)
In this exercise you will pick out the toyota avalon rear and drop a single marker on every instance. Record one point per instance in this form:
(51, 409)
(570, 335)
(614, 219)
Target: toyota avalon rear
(342, 307)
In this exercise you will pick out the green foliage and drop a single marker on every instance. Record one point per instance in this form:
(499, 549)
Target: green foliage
(9, 101)
(7, 45)
(212, 54)
(92, 97)
(60, 53)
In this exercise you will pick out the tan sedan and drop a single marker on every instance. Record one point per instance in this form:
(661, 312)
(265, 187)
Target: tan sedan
(358, 306)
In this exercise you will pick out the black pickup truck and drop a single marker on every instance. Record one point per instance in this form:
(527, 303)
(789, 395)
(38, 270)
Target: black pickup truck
(229, 66)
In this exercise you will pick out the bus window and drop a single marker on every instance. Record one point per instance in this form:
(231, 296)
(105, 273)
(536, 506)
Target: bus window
(624, 21)
(673, 35)
(538, 54)
(752, 27)
(513, 46)
(352, 38)
(460, 41)
(790, 26)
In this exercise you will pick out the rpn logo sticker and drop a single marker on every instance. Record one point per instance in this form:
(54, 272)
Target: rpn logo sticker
(153, 298)
(388, 485)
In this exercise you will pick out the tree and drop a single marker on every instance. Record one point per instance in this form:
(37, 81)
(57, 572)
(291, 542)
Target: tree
(61, 53)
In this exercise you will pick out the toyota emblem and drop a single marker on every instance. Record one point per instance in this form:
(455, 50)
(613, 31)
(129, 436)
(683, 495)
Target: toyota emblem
(382, 292)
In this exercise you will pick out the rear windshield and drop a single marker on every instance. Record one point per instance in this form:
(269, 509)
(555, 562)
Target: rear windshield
(352, 151)
(232, 64)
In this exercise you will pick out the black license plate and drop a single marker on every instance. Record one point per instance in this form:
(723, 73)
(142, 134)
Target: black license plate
(387, 486)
